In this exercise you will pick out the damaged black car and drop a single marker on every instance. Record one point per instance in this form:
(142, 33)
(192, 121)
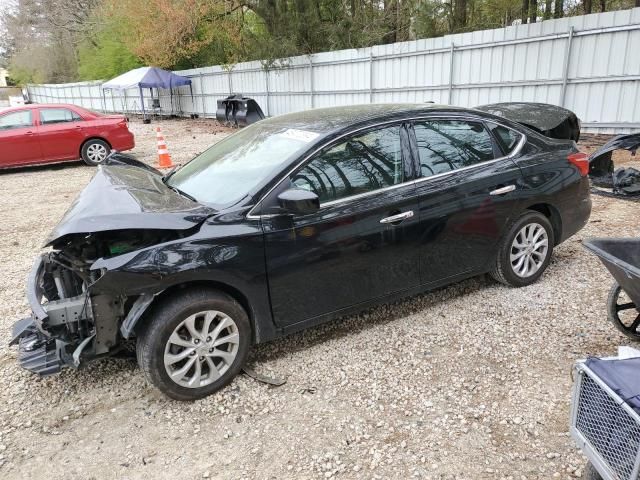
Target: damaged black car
(288, 223)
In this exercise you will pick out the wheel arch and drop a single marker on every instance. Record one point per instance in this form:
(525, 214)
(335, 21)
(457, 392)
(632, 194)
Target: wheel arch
(553, 215)
(233, 292)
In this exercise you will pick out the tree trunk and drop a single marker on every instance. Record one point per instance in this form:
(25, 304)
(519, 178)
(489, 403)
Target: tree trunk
(533, 11)
(603, 5)
(547, 9)
(559, 9)
(587, 6)
(460, 14)
(525, 11)
(637, 3)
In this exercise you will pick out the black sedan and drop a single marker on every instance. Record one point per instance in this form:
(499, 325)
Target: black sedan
(289, 223)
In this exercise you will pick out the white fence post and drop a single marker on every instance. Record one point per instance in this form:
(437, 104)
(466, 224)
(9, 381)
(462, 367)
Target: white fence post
(565, 72)
(451, 53)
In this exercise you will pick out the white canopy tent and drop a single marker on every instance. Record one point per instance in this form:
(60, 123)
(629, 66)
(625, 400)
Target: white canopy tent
(147, 77)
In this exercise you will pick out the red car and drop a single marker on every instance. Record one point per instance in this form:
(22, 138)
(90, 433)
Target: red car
(36, 134)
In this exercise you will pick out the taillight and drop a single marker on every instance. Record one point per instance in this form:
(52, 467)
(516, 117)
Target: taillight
(580, 160)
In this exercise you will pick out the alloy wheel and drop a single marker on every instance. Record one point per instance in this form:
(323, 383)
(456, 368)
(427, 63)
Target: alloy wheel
(201, 349)
(529, 250)
(96, 152)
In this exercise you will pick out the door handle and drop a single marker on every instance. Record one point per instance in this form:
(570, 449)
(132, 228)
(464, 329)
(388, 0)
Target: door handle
(503, 190)
(28, 133)
(397, 218)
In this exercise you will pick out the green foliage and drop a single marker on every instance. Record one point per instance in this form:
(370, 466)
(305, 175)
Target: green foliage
(48, 41)
(105, 56)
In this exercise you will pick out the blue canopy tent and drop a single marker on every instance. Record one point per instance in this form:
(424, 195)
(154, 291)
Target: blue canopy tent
(147, 77)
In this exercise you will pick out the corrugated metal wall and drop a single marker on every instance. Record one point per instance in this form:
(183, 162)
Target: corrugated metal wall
(589, 64)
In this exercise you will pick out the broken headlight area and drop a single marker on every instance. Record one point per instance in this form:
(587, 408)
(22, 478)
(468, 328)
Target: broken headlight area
(72, 320)
(606, 179)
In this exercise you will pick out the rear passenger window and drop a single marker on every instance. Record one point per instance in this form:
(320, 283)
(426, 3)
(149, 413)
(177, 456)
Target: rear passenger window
(446, 145)
(361, 164)
(57, 115)
(507, 139)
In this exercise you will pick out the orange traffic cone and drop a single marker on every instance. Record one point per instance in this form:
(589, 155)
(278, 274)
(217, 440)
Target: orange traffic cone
(164, 159)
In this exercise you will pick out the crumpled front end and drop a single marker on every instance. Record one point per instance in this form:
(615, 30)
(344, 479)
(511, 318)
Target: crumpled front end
(68, 324)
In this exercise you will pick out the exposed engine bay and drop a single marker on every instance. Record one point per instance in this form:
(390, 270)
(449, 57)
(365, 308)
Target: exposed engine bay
(73, 319)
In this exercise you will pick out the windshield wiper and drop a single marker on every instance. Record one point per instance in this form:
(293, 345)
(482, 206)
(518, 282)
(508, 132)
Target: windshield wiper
(184, 194)
(167, 176)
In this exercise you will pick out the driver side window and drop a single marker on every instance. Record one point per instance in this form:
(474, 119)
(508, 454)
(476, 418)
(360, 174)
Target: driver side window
(20, 119)
(361, 164)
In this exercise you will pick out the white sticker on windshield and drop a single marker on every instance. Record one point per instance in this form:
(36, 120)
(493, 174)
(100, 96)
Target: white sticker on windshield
(300, 135)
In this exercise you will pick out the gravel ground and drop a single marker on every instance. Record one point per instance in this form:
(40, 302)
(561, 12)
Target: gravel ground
(467, 382)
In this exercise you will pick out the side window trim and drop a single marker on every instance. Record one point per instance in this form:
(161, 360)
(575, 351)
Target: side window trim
(254, 212)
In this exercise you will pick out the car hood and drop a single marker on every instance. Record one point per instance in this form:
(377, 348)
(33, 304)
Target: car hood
(121, 197)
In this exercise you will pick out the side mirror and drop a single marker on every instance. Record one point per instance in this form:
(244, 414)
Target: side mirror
(299, 201)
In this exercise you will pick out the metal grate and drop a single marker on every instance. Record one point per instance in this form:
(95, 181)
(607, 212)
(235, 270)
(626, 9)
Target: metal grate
(611, 431)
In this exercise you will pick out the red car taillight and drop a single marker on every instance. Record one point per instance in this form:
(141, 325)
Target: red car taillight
(580, 160)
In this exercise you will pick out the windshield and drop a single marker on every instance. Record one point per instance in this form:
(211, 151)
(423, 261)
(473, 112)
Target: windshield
(226, 172)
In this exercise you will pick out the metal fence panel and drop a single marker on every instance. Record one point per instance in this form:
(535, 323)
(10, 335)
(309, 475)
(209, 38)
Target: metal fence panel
(588, 64)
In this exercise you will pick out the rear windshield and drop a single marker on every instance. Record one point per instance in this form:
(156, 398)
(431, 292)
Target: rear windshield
(230, 169)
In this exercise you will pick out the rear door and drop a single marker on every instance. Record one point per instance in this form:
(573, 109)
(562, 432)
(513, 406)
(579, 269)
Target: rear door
(468, 191)
(61, 133)
(18, 139)
(361, 244)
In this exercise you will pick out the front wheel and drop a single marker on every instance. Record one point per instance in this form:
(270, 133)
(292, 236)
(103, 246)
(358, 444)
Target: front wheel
(95, 151)
(525, 251)
(194, 343)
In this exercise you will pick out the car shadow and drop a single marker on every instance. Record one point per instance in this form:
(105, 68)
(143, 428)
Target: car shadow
(44, 166)
(369, 318)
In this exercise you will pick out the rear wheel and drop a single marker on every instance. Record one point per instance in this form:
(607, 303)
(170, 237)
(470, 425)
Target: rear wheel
(95, 151)
(525, 251)
(194, 343)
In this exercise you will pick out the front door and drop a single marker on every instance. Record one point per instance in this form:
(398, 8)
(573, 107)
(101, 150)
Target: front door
(468, 191)
(18, 139)
(362, 243)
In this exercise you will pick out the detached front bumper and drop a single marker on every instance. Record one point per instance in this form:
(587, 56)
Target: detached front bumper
(36, 352)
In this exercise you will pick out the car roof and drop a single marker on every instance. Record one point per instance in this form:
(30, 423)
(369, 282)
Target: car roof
(333, 119)
(38, 105)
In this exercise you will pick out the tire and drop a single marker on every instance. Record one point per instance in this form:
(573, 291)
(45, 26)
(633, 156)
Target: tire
(628, 309)
(590, 473)
(94, 151)
(504, 271)
(173, 320)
